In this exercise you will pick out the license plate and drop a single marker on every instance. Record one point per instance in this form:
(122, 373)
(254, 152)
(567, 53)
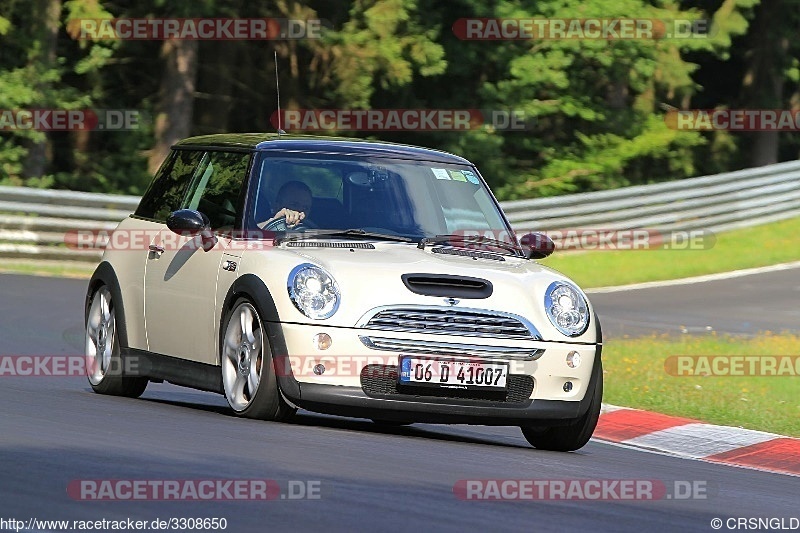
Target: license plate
(453, 373)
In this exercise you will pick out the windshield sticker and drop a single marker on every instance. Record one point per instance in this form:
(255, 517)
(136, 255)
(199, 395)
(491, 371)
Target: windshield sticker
(472, 178)
(457, 175)
(441, 174)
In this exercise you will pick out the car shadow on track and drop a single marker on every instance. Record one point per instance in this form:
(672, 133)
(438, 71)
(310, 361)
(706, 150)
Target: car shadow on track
(304, 418)
(212, 403)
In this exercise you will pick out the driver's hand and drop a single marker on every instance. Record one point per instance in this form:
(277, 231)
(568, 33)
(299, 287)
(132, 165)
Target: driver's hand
(292, 217)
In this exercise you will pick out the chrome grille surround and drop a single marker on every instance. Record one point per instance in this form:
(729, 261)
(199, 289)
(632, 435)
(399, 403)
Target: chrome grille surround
(447, 348)
(449, 320)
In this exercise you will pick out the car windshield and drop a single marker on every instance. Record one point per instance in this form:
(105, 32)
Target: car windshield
(413, 199)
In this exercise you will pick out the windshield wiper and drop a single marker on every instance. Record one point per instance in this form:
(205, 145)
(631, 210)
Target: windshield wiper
(340, 233)
(445, 239)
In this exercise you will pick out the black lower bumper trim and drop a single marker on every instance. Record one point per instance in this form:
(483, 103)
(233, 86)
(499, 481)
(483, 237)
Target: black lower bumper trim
(353, 402)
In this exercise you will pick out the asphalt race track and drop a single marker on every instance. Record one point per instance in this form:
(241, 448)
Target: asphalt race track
(741, 306)
(54, 430)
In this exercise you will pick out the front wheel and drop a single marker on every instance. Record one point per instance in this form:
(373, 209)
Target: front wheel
(104, 363)
(573, 436)
(248, 376)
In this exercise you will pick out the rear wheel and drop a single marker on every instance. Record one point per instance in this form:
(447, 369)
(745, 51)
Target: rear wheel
(571, 437)
(104, 363)
(248, 376)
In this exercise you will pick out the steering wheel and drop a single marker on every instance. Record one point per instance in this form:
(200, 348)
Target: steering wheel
(279, 224)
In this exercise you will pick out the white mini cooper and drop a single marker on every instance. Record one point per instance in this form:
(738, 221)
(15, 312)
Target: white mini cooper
(355, 278)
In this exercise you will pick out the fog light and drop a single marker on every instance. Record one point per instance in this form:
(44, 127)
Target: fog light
(322, 341)
(319, 369)
(573, 359)
(567, 386)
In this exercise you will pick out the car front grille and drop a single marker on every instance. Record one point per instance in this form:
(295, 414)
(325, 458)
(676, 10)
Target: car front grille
(380, 381)
(451, 321)
(447, 348)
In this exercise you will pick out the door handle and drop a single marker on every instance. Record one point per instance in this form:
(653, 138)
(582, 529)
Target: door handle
(156, 249)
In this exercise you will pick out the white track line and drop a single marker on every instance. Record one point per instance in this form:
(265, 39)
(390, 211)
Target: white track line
(697, 279)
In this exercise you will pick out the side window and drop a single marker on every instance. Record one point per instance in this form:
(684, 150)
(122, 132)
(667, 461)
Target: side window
(216, 187)
(168, 189)
(323, 177)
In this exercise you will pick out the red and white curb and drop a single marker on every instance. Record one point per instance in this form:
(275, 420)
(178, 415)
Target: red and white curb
(689, 438)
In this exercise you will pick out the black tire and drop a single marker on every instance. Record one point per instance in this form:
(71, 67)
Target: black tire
(112, 380)
(266, 402)
(575, 435)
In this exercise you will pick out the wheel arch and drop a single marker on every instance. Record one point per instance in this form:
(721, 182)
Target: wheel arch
(254, 289)
(104, 274)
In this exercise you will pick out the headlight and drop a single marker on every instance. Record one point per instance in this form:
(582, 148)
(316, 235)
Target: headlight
(313, 291)
(566, 308)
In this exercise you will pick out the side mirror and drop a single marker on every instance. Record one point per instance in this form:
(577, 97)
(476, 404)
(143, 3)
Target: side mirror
(189, 223)
(537, 245)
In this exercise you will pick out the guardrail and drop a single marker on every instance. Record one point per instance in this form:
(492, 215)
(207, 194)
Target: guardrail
(34, 222)
(717, 203)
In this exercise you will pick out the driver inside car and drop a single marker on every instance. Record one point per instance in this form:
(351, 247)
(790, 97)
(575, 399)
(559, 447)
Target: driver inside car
(294, 201)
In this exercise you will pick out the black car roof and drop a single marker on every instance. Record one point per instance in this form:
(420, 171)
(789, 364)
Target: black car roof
(318, 144)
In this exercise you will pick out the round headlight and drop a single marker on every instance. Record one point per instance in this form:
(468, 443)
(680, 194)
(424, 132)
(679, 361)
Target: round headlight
(566, 308)
(313, 291)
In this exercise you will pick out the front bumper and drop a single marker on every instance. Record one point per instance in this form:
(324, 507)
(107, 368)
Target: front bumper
(343, 390)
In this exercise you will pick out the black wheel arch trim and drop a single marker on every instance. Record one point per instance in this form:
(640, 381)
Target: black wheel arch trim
(251, 286)
(598, 330)
(104, 274)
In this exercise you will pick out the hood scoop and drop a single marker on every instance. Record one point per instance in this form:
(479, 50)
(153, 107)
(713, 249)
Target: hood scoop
(447, 285)
(330, 244)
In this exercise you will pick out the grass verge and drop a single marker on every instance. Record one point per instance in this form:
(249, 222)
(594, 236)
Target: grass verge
(636, 377)
(769, 244)
(62, 269)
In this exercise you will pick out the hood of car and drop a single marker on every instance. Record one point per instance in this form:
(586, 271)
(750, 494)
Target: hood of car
(372, 275)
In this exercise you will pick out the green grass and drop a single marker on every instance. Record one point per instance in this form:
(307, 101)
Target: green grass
(65, 269)
(635, 376)
(768, 244)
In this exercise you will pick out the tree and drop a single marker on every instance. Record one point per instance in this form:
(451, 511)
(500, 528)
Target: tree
(768, 61)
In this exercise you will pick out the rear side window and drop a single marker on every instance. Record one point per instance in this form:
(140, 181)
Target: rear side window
(168, 189)
(216, 187)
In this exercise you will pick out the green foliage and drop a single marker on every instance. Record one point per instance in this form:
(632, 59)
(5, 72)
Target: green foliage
(597, 103)
(594, 109)
(383, 41)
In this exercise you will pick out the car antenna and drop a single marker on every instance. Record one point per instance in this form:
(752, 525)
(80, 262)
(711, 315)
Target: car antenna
(278, 92)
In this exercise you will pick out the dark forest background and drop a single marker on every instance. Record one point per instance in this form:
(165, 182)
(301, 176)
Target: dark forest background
(598, 105)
